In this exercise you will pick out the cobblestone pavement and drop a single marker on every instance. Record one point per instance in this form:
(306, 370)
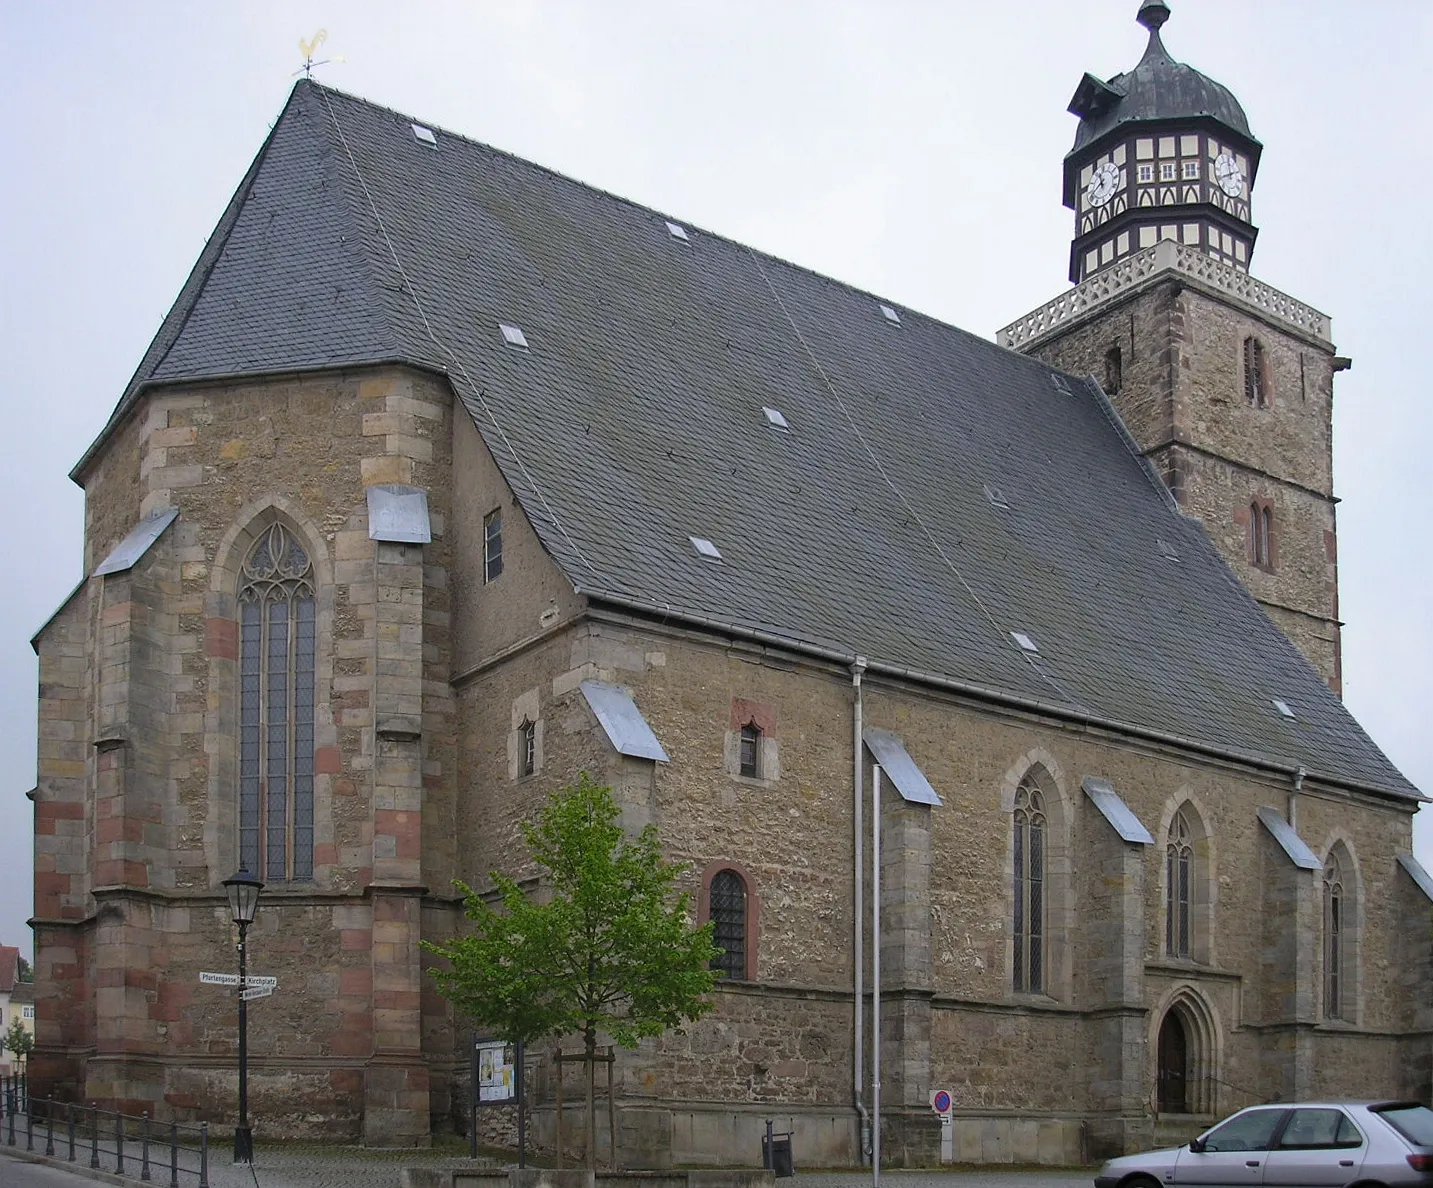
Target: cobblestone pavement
(354, 1167)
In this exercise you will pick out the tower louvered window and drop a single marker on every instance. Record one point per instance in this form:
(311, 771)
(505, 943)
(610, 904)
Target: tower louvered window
(1256, 378)
(276, 709)
(1179, 887)
(1028, 972)
(727, 911)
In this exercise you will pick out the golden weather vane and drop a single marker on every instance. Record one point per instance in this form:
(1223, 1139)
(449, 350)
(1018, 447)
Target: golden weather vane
(309, 48)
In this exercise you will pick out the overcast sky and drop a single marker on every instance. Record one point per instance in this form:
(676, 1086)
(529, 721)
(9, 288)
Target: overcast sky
(911, 148)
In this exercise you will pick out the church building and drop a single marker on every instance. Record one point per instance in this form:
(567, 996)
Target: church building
(448, 478)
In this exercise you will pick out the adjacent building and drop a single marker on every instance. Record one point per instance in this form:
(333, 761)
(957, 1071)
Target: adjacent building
(448, 478)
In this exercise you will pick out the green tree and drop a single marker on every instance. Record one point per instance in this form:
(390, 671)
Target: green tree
(608, 946)
(23, 972)
(18, 1040)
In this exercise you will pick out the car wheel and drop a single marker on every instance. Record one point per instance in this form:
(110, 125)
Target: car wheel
(1140, 1181)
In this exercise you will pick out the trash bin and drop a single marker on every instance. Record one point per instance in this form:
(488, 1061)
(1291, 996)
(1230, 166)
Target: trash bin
(776, 1153)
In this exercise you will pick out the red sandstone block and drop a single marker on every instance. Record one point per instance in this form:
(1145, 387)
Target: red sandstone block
(52, 884)
(118, 613)
(221, 638)
(344, 788)
(396, 1000)
(355, 982)
(418, 1079)
(346, 1080)
(352, 1043)
(328, 761)
(123, 872)
(356, 939)
(325, 855)
(117, 829)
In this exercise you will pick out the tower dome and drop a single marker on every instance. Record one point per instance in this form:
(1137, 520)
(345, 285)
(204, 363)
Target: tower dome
(1162, 152)
(1159, 88)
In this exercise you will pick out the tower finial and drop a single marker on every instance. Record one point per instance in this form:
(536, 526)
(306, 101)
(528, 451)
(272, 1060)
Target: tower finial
(1153, 14)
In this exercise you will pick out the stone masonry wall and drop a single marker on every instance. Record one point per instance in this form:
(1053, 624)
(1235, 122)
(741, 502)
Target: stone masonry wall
(1182, 397)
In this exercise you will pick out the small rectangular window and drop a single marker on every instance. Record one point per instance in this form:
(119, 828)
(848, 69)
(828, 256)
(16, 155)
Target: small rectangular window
(1166, 171)
(751, 751)
(775, 419)
(513, 336)
(676, 230)
(1024, 641)
(890, 315)
(1191, 170)
(705, 548)
(492, 545)
(1146, 173)
(425, 135)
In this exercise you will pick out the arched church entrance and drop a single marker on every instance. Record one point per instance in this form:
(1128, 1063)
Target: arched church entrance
(1172, 1087)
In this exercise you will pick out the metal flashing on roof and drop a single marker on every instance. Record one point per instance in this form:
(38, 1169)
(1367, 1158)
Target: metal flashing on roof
(136, 544)
(776, 419)
(1166, 550)
(705, 548)
(1116, 811)
(425, 135)
(888, 751)
(677, 231)
(890, 315)
(622, 721)
(1026, 643)
(513, 336)
(1060, 383)
(996, 497)
(1417, 874)
(1287, 837)
(399, 514)
(1284, 708)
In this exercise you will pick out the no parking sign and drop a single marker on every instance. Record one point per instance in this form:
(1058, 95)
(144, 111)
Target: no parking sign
(940, 1103)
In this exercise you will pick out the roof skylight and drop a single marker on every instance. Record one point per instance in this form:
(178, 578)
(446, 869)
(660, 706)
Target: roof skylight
(513, 336)
(425, 135)
(1284, 708)
(996, 498)
(1026, 643)
(676, 230)
(1167, 550)
(775, 419)
(705, 548)
(1059, 381)
(890, 315)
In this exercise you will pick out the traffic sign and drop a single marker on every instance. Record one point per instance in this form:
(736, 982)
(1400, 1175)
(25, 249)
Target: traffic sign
(940, 1101)
(255, 992)
(218, 979)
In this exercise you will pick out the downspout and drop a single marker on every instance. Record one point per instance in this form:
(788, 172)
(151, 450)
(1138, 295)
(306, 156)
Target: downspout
(1292, 816)
(857, 773)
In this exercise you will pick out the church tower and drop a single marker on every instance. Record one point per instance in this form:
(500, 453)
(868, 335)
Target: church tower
(1225, 383)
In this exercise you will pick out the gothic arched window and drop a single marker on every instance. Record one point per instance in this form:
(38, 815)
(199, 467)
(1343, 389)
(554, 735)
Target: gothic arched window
(1335, 938)
(276, 708)
(726, 908)
(1028, 967)
(1179, 887)
(1261, 534)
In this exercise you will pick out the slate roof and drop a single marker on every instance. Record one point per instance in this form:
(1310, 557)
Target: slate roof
(634, 421)
(1160, 89)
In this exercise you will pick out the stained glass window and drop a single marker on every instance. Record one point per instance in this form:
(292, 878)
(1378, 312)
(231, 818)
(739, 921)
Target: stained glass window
(1028, 972)
(1334, 929)
(727, 904)
(1179, 882)
(277, 643)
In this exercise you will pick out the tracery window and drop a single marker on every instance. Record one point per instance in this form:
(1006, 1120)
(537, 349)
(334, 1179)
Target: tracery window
(527, 738)
(750, 757)
(1256, 375)
(1179, 886)
(1335, 938)
(1028, 966)
(726, 900)
(276, 708)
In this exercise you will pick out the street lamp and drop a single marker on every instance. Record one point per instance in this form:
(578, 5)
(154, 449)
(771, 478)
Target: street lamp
(243, 892)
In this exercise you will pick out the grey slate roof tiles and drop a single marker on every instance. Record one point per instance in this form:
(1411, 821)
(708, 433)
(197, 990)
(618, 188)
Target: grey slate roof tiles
(634, 421)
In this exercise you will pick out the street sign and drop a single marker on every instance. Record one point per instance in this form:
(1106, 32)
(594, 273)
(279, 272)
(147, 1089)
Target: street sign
(940, 1101)
(255, 992)
(256, 980)
(218, 979)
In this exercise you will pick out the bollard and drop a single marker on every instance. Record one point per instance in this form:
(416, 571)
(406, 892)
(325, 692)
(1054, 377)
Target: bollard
(144, 1149)
(70, 1126)
(49, 1127)
(118, 1143)
(203, 1155)
(174, 1155)
(94, 1136)
(29, 1128)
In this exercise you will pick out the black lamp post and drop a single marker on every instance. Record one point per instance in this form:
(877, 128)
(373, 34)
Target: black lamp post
(243, 891)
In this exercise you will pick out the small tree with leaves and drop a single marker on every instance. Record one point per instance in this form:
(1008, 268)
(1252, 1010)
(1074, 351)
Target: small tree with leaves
(18, 1040)
(611, 947)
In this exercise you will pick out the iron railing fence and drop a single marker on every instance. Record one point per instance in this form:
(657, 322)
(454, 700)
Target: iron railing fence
(126, 1144)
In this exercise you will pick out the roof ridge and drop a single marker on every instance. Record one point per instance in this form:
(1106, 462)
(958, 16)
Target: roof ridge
(528, 163)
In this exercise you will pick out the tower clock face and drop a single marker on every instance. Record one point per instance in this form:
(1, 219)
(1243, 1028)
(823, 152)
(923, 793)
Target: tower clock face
(1229, 175)
(1103, 184)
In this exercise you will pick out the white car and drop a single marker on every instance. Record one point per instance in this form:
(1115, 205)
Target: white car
(1299, 1144)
